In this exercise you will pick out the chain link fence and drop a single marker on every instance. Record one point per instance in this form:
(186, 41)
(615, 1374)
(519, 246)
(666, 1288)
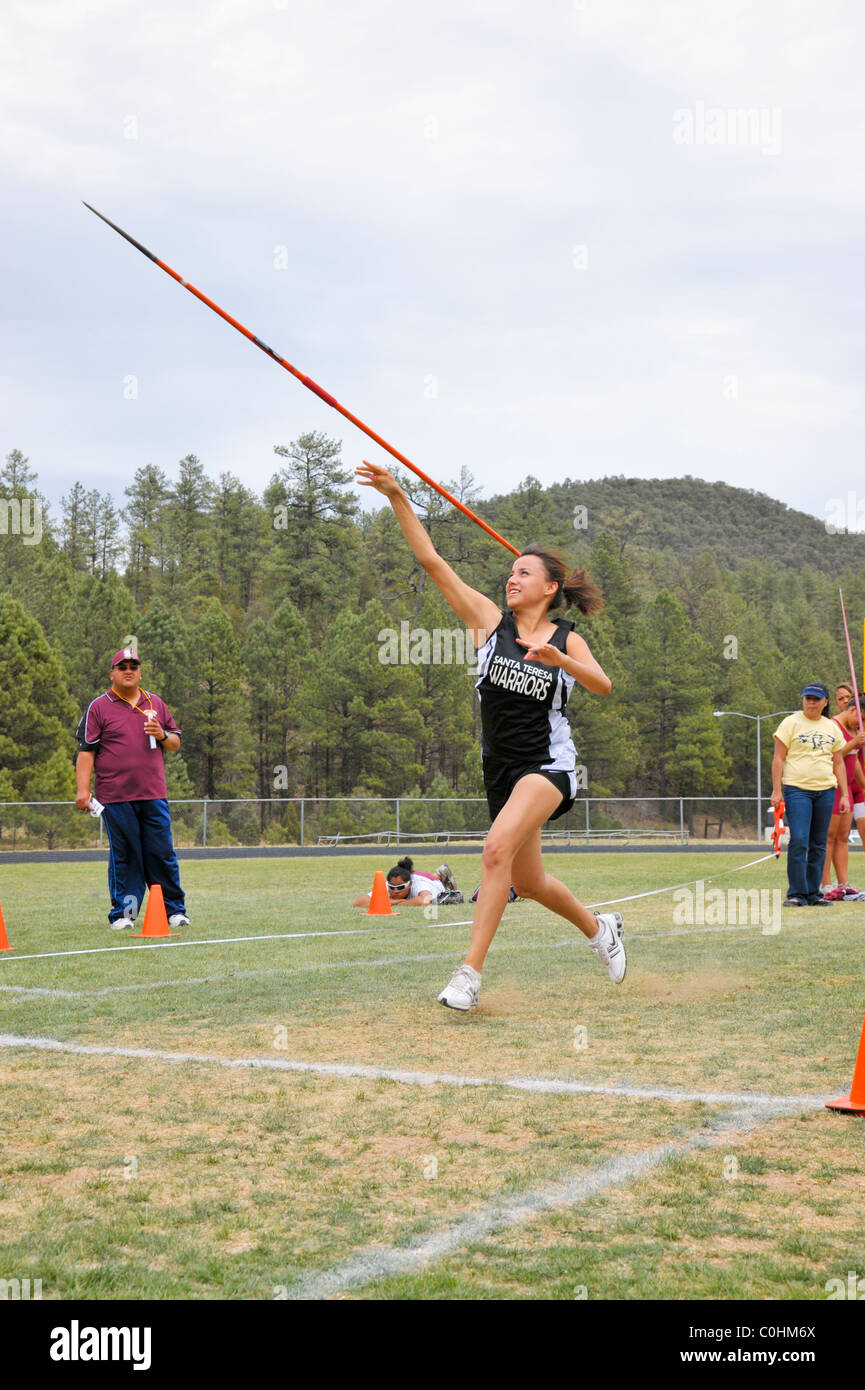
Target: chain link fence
(312, 821)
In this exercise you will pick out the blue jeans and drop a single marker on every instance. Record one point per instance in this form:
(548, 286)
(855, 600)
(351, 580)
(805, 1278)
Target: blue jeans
(808, 816)
(141, 853)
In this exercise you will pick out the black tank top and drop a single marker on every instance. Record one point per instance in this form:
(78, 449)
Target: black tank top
(523, 702)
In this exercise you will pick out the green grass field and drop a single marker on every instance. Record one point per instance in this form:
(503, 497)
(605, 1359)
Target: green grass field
(144, 1177)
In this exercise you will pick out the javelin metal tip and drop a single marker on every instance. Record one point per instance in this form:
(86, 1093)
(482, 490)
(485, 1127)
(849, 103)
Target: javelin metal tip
(114, 227)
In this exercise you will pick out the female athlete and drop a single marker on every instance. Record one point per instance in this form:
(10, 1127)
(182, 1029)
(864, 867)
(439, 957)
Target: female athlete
(528, 663)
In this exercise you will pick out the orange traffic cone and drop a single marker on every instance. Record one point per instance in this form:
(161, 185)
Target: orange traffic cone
(854, 1104)
(155, 920)
(379, 900)
(4, 940)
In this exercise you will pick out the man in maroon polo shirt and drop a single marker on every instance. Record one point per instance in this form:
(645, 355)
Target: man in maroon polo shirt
(123, 735)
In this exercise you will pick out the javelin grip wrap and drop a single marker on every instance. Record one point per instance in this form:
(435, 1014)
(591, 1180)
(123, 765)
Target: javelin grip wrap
(320, 391)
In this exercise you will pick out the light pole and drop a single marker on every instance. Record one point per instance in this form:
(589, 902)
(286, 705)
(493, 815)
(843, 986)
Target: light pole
(773, 714)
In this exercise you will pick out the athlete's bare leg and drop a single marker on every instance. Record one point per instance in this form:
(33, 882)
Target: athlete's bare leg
(830, 850)
(836, 848)
(532, 881)
(842, 856)
(515, 840)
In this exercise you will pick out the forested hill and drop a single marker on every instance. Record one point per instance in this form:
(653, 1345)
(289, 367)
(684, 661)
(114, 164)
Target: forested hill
(690, 517)
(269, 622)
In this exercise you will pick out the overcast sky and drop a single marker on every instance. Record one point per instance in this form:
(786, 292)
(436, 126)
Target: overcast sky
(538, 239)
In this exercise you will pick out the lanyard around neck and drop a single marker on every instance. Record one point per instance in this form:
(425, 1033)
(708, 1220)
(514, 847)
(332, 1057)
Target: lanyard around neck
(136, 706)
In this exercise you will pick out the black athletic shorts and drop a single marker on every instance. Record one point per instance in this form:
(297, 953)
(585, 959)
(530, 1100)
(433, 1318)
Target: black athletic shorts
(501, 776)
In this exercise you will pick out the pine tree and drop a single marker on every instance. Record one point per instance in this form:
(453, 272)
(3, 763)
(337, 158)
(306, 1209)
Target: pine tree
(314, 542)
(167, 659)
(238, 533)
(612, 574)
(527, 516)
(361, 717)
(37, 714)
(668, 680)
(449, 699)
(275, 656)
(185, 517)
(216, 738)
(100, 613)
(73, 528)
(606, 732)
(144, 515)
(25, 527)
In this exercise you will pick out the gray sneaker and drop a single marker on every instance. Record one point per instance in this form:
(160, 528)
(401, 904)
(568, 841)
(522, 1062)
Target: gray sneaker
(447, 878)
(122, 923)
(462, 992)
(608, 944)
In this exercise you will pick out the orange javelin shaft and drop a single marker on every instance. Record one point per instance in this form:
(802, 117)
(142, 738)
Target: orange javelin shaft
(306, 381)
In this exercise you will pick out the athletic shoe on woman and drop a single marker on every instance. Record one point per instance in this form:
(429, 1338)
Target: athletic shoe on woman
(609, 946)
(462, 992)
(850, 892)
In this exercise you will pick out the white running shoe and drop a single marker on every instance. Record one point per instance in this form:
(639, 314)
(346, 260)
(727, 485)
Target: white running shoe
(463, 990)
(179, 919)
(609, 946)
(121, 923)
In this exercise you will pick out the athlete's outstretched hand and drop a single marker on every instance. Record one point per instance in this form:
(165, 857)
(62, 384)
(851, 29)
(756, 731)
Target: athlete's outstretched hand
(544, 652)
(374, 475)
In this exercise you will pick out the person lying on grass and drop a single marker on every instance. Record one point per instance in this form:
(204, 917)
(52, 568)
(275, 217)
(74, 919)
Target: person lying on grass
(418, 889)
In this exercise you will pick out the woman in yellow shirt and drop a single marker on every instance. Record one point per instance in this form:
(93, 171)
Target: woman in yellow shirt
(806, 769)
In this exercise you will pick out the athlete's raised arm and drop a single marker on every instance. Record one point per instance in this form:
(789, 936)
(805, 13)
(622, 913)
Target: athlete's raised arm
(479, 613)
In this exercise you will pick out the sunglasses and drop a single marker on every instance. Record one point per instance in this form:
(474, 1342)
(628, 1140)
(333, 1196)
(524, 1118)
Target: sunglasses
(397, 887)
(128, 666)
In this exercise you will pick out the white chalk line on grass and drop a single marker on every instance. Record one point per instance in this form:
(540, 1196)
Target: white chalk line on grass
(358, 931)
(238, 975)
(497, 949)
(534, 1084)
(654, 892)
(579, 1186)
(366, 1266)
(364, 931)
(157, 944)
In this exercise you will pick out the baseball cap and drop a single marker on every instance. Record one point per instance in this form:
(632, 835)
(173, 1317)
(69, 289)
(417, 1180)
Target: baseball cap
(815, 688)
(126, 655)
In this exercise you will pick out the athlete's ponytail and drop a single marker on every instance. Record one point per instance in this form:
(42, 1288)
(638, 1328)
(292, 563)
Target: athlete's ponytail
(575, 589)
(404, 869)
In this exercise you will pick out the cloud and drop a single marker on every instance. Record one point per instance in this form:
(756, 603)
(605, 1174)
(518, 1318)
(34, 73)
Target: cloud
(482, 194)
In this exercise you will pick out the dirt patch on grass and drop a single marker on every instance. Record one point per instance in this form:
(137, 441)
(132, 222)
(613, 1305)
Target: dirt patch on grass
(502, 1003)
(698, 987)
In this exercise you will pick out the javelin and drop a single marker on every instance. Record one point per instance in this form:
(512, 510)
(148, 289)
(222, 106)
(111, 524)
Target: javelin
(850, 659)
(306, 381)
